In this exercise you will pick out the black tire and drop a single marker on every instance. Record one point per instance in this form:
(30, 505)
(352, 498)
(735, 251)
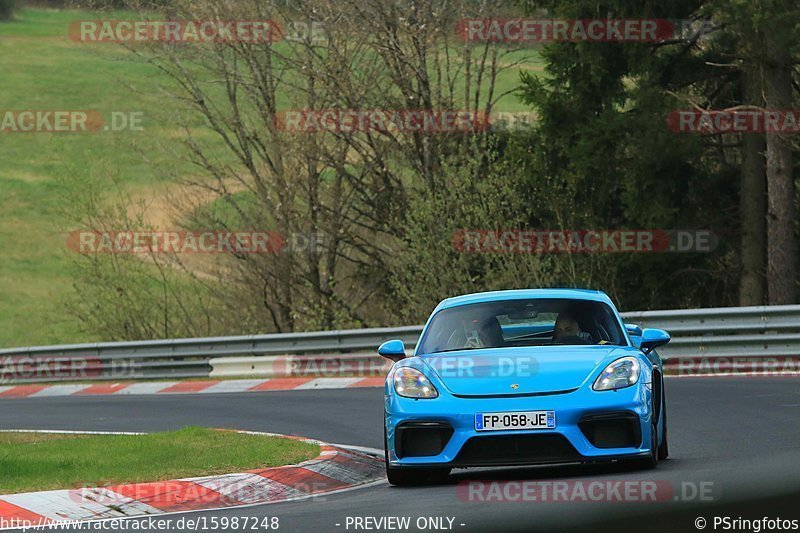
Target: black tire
(409, 477)
(651, 461)
(663, 449)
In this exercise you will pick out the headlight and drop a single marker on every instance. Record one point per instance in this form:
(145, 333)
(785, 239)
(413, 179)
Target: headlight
(412, 383)
(618, 375)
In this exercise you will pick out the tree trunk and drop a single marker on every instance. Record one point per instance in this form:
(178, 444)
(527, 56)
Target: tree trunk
(753, 205)
(781, 236)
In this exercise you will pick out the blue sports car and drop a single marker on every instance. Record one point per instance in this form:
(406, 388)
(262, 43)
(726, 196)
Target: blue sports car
(524, 377)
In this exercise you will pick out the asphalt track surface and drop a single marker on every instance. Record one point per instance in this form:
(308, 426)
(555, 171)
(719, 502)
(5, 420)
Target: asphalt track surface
(738, 439)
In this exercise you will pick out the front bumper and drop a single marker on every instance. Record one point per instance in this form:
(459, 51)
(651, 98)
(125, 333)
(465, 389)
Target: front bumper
(583, 419)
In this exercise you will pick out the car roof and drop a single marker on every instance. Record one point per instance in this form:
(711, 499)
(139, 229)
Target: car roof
(524, 294)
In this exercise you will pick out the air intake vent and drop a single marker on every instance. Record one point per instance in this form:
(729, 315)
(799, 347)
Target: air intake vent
(612, 430)
(421, 439)
(517, 450)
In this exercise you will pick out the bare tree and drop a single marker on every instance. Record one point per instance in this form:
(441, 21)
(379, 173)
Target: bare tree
(353, 188)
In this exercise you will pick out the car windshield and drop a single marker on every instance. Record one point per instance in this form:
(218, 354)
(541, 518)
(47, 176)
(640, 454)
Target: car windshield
(534, 322)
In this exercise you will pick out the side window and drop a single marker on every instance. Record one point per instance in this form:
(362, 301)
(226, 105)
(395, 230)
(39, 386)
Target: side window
(606, 328)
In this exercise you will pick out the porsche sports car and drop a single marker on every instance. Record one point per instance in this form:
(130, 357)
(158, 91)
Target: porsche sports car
(524, 377)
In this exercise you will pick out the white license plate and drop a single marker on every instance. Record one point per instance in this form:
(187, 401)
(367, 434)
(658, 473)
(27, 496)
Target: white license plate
(515, 420)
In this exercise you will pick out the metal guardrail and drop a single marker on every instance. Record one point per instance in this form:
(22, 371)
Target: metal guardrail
(719, 332)
(178, 358)
(726, 331)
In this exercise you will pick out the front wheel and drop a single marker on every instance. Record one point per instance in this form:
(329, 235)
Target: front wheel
(663, 450)
(651, 461)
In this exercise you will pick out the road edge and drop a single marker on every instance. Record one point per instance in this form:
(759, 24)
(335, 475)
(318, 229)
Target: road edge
(336, 469)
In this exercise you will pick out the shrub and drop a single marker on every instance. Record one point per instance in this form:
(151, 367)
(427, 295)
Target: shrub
(7, 8)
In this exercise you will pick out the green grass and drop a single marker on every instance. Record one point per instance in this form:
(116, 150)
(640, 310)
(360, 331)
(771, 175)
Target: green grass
(43, 69)
(48, 461)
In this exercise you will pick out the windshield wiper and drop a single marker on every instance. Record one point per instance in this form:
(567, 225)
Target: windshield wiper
(463, 349)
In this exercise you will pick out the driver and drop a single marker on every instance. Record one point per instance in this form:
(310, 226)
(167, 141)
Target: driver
(485, 334)
(567, 327)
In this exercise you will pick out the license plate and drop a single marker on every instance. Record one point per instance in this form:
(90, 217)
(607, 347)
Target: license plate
(515, 420)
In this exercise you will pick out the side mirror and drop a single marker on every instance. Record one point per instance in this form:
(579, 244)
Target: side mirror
(393, 350)
(653, 338)
(633, 330)
(635, 333)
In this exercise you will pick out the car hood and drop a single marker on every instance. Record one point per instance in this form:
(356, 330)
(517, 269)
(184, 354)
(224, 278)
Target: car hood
(520, 370)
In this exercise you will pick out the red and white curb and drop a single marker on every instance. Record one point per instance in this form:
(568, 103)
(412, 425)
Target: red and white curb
(336, 469)
(188, 387)
(283, 384)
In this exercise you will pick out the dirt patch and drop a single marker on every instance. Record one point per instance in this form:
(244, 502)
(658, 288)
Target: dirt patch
(164, 206)
(523, 66)
(27, 177)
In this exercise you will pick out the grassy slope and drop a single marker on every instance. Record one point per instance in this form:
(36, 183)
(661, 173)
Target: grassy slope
(43, 69)
(34, 461)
